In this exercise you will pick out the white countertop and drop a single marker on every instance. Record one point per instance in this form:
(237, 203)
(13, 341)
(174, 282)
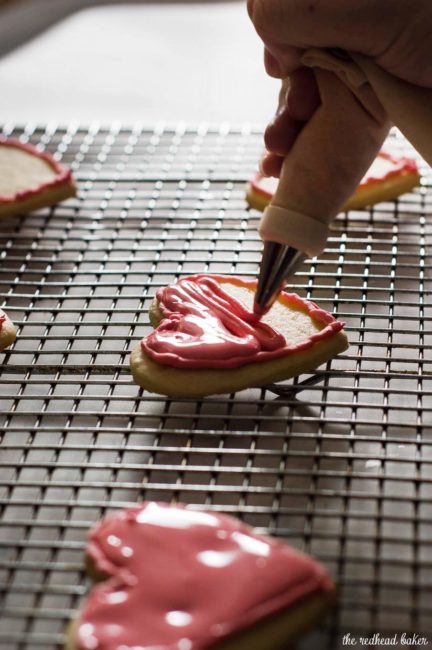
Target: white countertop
(152, 62)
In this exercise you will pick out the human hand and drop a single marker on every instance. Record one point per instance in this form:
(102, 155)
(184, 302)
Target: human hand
(394, 33)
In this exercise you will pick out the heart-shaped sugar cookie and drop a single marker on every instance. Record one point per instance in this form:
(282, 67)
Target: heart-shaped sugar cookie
(30, 179)
(389, 176)
(207, 339)
(7, 331)
(176, 578)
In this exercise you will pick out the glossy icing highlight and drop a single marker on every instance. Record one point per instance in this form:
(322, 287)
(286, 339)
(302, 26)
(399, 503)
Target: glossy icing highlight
(179, 578)
(205, 327)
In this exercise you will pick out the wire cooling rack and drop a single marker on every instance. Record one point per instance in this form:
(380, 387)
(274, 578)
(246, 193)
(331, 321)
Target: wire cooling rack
(337, 463)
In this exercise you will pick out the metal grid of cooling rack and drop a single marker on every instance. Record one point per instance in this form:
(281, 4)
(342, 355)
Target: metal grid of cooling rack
(339, 463)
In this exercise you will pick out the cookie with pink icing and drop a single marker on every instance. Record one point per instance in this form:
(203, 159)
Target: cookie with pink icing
(177, 578)
(207, 340)
(7, 331)
(30, 179)
(390, 176)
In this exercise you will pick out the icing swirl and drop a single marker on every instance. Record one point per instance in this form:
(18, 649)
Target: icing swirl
(205, 327)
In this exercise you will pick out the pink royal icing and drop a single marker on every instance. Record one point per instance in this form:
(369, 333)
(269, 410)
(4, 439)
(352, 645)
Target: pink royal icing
(386, 166)
(62, 174)
(205, 327)
(183, 579)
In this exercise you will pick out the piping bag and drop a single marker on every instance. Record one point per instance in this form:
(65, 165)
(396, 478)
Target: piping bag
(359, 102)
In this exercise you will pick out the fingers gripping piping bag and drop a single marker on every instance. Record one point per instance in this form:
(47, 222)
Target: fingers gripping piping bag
(330, 157)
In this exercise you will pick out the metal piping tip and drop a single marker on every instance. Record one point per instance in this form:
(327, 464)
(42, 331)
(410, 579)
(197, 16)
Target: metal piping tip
(278, 263)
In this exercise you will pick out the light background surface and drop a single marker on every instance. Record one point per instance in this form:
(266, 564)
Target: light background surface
(149, 61)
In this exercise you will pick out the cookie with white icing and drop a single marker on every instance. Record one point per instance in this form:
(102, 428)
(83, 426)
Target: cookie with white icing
(389, 177)
(7, 331)
(176, 578)
(208, 341)
(30, 179)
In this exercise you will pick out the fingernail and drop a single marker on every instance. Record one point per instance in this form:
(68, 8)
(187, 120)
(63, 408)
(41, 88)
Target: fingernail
(272, 65)
(261, 165)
